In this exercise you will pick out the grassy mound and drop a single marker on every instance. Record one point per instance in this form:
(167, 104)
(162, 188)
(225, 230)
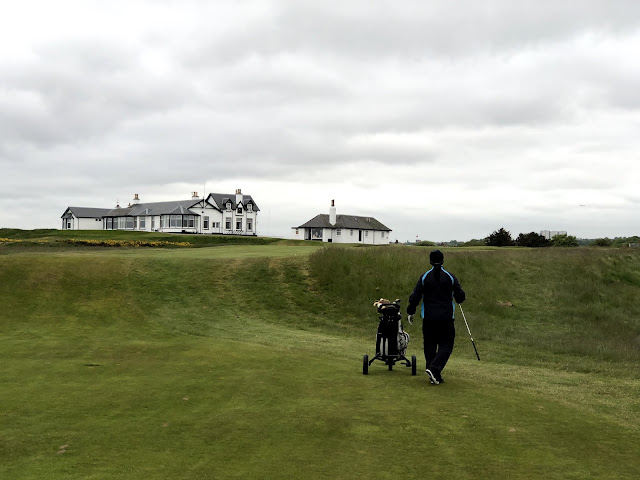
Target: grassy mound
(245, 362)
(116, 238)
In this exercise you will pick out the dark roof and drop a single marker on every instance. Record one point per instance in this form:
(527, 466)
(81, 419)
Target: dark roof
(345, 221)
(179, 207)
(221, 200)
(86, 212)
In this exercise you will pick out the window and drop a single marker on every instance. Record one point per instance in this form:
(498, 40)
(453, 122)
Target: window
(68, 225)
(128, 223)
(249, 225)
(366, 233)
(239, 210)
(381, 234)
(351, 233)
(162, 221)
(250, 208)
(175, 221)
(228, 205)
(227, 223)
(206, 223)
(109, 223)
(338, 232)
(143, 223)
(297, 232)
(239, 224)
(178, 221)
(153, 223)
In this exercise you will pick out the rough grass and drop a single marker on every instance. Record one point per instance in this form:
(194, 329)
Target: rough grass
(572, 307)
(225, 363)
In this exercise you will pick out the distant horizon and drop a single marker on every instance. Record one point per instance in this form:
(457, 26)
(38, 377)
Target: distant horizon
(408, 241)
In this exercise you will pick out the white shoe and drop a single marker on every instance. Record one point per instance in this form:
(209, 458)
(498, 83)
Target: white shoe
(432, 377)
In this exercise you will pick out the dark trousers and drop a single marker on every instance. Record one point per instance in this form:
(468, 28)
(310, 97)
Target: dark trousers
(438, 343)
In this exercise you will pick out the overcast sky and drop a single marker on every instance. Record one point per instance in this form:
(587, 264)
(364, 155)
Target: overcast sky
(442, 119)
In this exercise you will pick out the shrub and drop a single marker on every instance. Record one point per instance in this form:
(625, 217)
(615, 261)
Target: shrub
(602, 242)
(500, 238)
(474, 242)
(425, 243)
(564, 240)
(531, 239)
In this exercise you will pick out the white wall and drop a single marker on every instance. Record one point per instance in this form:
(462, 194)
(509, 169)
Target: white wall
(90, 223)
(373, 238)
(299, 235)
(233, 215)
(344, 236)
(82, 223)
(216, 222)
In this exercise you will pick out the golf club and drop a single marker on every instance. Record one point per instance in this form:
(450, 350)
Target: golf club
(465, 322)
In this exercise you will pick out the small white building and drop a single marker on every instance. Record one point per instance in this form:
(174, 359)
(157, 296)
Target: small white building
(343, 229)
(83, 218)
(220, 213)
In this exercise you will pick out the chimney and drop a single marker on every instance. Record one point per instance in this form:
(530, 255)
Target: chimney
(238, 196)
(136, 200)
(194, 196)
(332, 213)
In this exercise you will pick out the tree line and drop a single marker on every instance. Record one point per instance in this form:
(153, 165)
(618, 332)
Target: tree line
(502, 238)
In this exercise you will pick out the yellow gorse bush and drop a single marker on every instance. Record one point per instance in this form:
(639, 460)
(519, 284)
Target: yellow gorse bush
(105, 243)
(127, 243)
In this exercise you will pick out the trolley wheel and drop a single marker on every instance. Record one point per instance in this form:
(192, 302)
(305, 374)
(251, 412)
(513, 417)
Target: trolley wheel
(365, 365)
(414, 366)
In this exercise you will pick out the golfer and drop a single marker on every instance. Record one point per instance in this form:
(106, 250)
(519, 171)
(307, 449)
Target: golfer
(437, 289)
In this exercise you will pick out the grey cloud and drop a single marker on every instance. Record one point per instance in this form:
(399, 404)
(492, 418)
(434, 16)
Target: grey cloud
(633, 199)
(416, 29)
(76, 92)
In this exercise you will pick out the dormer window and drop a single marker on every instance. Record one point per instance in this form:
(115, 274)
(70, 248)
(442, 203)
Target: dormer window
(228, 205)
(250, 208)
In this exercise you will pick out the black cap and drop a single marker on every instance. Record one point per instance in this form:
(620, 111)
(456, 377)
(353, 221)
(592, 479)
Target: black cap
(436, 258)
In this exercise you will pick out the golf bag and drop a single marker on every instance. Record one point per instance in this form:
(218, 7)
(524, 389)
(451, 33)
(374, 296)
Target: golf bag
(391, 339)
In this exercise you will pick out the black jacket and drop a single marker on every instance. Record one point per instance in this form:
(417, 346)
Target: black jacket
(437, 289)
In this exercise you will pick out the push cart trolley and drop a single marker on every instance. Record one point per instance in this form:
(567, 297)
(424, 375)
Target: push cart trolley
(391, 339)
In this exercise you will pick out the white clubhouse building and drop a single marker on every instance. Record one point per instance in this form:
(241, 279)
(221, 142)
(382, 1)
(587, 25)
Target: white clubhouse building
(226, 214)
(343, 229)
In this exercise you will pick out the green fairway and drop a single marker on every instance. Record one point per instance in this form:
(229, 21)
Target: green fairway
(245, 361)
